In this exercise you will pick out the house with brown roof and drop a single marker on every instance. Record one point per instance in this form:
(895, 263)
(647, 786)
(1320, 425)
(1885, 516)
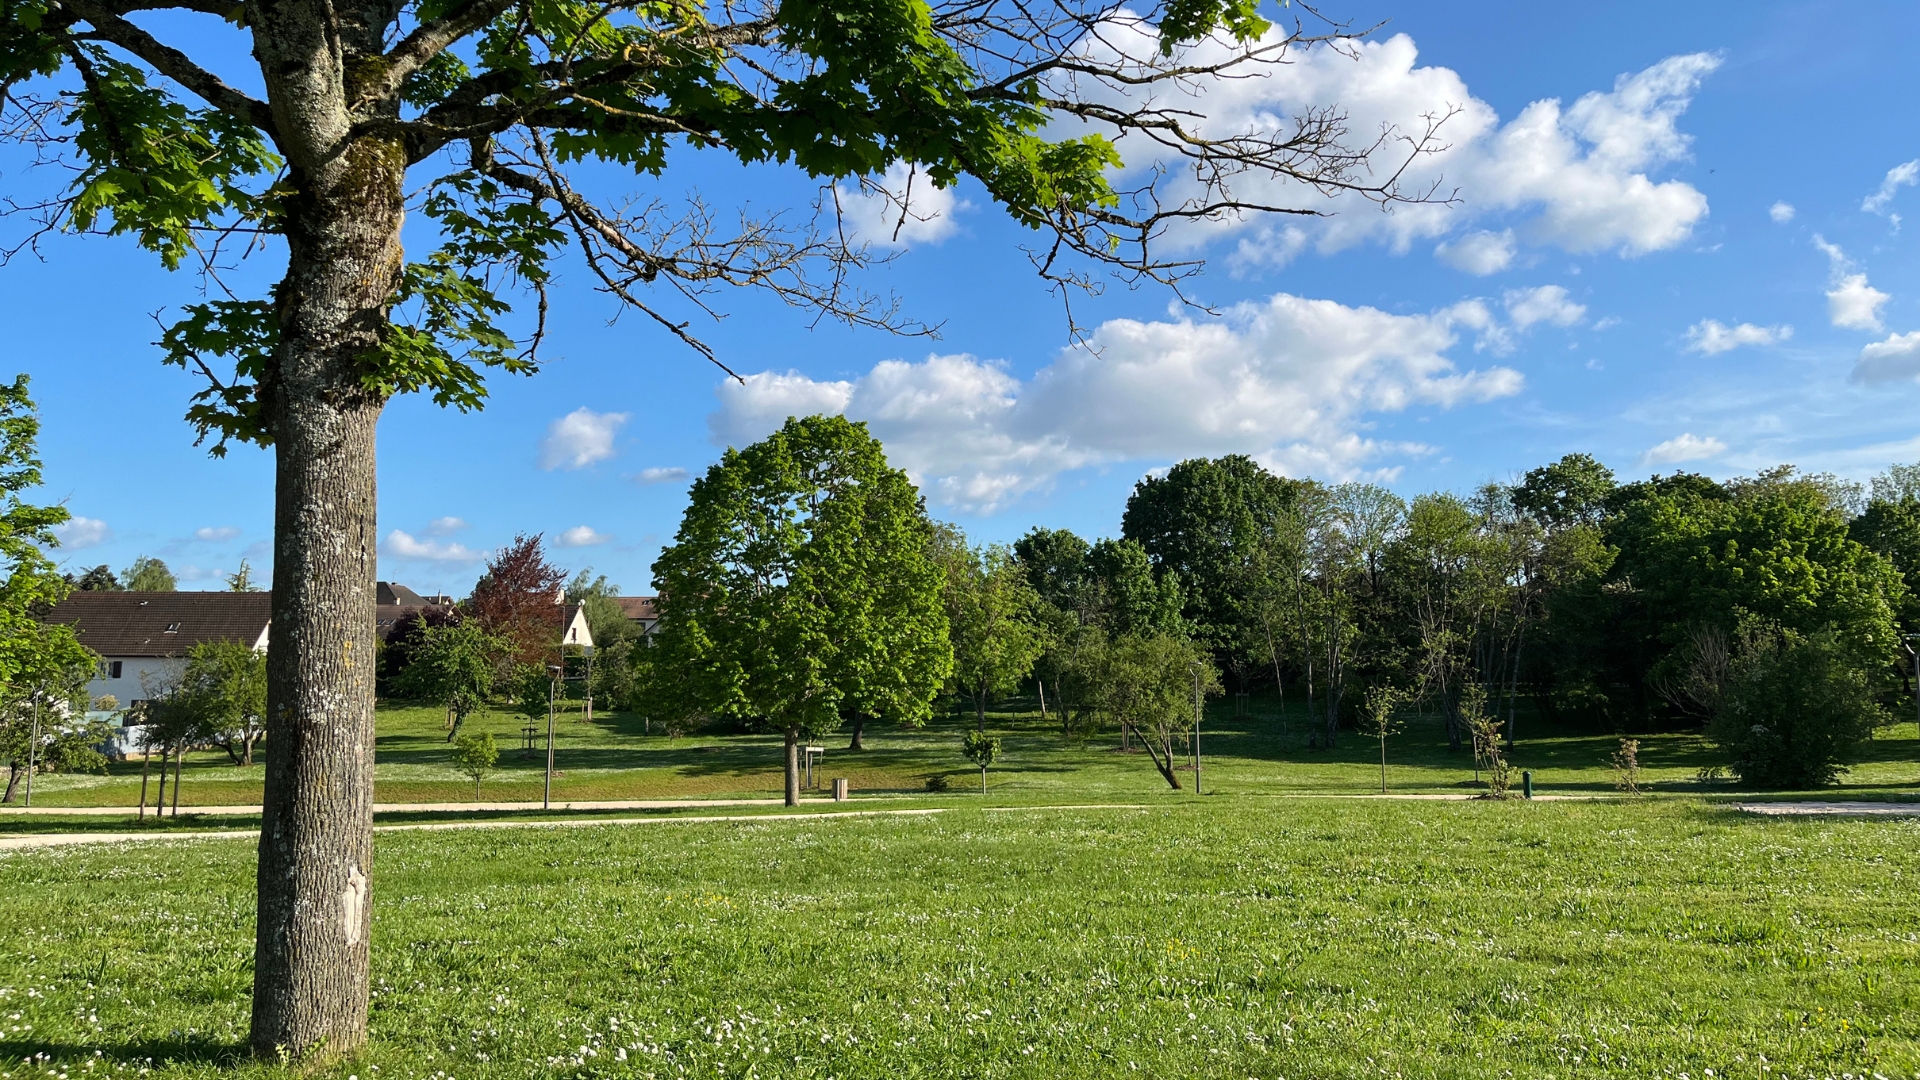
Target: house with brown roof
(643, 611)
(142, 638)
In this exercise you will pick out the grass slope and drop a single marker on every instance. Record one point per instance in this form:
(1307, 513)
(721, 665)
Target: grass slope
(614, 758)
(1220, 937)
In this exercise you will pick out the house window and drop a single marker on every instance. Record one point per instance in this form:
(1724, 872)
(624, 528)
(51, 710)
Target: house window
(109, 669)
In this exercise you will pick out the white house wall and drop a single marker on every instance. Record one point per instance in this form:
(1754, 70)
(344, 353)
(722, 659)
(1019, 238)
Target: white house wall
(140, 677)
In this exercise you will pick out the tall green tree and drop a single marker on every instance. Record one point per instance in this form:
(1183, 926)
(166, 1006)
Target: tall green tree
(43, 666)
(1203, 521)
(799, 589)
(308, 132)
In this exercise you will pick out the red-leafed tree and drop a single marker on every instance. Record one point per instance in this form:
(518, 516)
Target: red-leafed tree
(517, 599)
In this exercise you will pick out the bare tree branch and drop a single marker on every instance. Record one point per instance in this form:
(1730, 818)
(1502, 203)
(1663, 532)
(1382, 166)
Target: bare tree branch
(174, 64)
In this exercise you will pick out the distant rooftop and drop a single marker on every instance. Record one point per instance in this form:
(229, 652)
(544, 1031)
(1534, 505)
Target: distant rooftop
(163, 623)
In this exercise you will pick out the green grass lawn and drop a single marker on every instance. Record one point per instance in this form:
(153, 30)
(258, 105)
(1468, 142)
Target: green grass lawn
(614, 758)
(1219, 937)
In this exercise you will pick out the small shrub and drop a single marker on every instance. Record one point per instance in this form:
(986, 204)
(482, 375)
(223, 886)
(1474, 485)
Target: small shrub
(938, 782)
(1626, 766)
(1485, 730)
(1795, 709)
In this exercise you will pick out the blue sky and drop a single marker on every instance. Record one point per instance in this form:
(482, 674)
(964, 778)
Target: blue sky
(1677, 243)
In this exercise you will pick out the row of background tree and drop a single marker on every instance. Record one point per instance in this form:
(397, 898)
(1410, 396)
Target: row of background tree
(1771, 609)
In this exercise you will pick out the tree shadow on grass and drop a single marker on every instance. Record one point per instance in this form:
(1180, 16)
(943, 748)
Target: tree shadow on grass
(137, 1053)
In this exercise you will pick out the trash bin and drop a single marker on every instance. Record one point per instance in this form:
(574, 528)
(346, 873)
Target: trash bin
(839, 789)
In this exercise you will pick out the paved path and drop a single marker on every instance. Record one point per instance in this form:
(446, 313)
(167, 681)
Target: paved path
(683, 804)
(1832, 809)
(405, 808)
(16, 843)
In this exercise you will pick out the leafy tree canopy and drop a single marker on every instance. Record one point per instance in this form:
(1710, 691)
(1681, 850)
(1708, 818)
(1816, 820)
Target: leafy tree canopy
(1201, 521)
(799, 587)
(148, 574)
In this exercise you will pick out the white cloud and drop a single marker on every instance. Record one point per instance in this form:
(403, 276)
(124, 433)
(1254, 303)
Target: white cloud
(581, 536)
(1780, 212)
(899, 209)
(445, 526)
(214, 535)
(1854, 304)
(1576, 177)
(1288, 379)
(1712, 337)
(403, 545)
(660, 474)
(1899, 176)
(579, 439)
(82, 532)
(1851, 302)
(1545, 303)
(1894, 359)
(1687, 447)
(1479, 253)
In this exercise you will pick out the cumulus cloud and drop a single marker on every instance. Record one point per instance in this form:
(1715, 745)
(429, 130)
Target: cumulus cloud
(1545, 303)
(581, 536)
(579, 439)
(1686, 447)
(1712, 337)
(1577, 177)
(403, 545)
(1479, 253)
(82, 532)
(1851, 302)
(660, 474)
(216, 534)
(899, 209)
(445, 526)
(1289, 379)
(1899, 176)
(1780, 212)
(1895, 359)
(1854, 304)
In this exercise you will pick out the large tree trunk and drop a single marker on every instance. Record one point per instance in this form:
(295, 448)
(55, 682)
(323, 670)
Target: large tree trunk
(316, 841)
(15, 771)
(859, 725)
(793, 766)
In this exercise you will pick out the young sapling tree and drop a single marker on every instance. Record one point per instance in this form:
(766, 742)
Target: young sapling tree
(982, 749)
(475, 756)
(1377, 721)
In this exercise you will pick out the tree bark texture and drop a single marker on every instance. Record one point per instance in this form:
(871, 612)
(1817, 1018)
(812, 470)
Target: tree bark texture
(793, 766)
(316, 841)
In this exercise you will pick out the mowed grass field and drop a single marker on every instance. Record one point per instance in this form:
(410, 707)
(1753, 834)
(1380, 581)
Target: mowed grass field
(615, 757)
(1227, 937)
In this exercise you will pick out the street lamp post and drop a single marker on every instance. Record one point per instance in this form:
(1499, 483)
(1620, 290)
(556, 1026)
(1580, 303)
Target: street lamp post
(554, 673)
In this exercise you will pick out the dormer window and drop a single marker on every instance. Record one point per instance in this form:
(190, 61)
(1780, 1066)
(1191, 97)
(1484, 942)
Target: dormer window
(173, 628)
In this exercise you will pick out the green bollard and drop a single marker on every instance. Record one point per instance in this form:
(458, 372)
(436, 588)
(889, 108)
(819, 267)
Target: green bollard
(1526, 783)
